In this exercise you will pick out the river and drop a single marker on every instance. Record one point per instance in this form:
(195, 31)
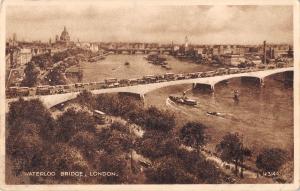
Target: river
(264, 115)
(113, 66)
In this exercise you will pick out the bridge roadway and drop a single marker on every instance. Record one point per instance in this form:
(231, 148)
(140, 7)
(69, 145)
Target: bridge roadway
(144, 50)
(142, 89)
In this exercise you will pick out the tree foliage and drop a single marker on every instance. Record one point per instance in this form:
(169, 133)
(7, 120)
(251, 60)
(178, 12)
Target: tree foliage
(270, 160)
(31, 75)
(114, 141)
(193, 134)
(156, 119)
(116, 164)
(33, 111)
(232, 149)
(56, 76)
(169, 171)
(86, 142)
(151, 118)
(156, 144)
(43, 61)
(25, 148)
(72, 121)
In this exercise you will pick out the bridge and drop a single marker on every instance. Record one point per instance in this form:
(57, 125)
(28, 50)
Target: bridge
(141, 50)
(142, 89)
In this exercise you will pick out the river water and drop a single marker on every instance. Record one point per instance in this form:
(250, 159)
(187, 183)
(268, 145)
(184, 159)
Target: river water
(264, 115)
(113, 66)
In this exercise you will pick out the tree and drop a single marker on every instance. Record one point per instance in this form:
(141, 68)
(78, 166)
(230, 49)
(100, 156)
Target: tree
(87, 98)
(270, 160)
(196, 164)
(217, 59)
(169, 170)
(71, 122)
(25, 148)
(56, 76)
(115, 164)
(156, 119)
(114, 141)
(31, 75)
(156, 144)
(193, 134)
(61, 157)
(86, 142)
(43, 61)
(232, 150)
(33, 111)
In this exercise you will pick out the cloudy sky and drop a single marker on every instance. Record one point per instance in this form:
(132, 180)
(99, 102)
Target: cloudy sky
(164, 24)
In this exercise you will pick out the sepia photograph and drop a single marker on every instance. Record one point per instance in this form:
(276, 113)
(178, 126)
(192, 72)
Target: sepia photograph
(133, 93)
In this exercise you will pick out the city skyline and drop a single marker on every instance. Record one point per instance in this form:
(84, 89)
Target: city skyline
(161, 24)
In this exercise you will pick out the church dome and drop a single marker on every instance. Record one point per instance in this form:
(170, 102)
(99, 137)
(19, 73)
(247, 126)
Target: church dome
(65, 35)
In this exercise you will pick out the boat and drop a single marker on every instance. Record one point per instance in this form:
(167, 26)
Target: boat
(213, 113)
(183, 100)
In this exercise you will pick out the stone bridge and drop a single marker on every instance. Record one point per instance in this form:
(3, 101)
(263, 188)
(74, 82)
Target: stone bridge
(142, 89)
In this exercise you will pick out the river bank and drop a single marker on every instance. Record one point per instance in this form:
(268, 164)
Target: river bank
(264, 116)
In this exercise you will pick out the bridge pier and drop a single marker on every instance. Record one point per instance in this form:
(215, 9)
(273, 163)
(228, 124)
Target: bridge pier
(204, 87)
(261, 82)
(142, 97)
(288, 78)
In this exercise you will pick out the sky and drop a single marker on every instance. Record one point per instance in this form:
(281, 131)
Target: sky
(202, 24)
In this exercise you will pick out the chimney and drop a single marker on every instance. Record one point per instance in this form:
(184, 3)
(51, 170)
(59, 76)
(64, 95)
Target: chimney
(265, 55)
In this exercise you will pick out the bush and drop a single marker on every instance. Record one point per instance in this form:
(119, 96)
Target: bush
(169, 170)
(25, 148)
(193, 134)
(156, 119)
(71, 122)
(86, 142)
(114, 164)
(31, 111)
(157, 144)
(270, 160)
(31, 75)
(114, 141)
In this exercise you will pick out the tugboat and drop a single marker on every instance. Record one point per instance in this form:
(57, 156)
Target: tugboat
(183, 100)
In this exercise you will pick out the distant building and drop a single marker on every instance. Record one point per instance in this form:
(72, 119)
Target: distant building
(216, 51)
(64, 38)
(94, 47)
(232, 59)
(25, 56)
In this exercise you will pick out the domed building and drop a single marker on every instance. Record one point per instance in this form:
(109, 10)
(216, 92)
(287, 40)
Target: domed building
(65, 37)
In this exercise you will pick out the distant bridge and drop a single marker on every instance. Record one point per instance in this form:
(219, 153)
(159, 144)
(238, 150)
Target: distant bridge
(142, 89)
(141, 50)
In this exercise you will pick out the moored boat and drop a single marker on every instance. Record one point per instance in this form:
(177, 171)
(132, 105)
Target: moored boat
(183, 100)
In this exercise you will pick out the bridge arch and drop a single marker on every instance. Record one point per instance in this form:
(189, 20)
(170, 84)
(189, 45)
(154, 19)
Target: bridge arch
(142, 89)
(233, 77)
(270, 74)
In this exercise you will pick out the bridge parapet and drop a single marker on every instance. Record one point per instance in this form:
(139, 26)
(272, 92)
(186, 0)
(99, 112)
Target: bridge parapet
(142, 89)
